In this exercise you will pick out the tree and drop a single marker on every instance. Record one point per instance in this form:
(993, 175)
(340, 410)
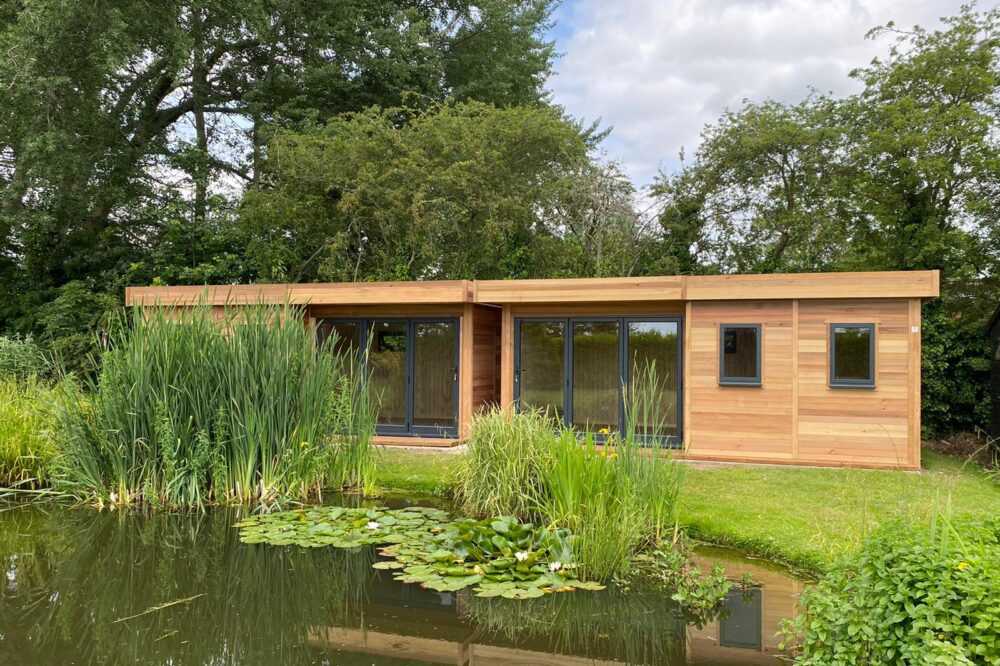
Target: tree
(759, 196)
(452, 191)
(117, 110)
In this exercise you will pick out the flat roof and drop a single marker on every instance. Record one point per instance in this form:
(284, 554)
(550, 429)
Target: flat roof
(884, 284)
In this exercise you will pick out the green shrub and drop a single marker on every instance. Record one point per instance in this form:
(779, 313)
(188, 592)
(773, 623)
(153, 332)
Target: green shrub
(508, 452)
(21, 358)
(191, 407)
(26, 433)
(912, 594)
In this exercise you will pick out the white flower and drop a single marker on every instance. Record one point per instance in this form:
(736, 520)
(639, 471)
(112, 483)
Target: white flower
(521, 556)
(114, 497)
(555, 566)
(372, 525)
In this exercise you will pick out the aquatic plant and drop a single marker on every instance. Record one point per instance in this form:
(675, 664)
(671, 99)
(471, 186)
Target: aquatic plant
(194, 406)
(507, 455)
(26, 432)
(496, 557)
(21, 358)
(912, 594)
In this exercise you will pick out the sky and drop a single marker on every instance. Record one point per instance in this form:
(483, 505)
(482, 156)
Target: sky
(658, 70)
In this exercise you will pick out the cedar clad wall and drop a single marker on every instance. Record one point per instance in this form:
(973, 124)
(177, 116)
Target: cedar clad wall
(795, 416)
(485, 358)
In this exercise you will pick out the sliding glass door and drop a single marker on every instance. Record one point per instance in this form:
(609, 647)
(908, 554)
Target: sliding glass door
(413, 367)
(577, 368)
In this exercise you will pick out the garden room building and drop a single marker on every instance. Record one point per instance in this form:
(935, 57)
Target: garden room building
(810, 369)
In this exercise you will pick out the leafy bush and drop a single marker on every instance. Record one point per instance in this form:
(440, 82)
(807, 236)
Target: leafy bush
(913, 594)
(27, 447)
(21, 358)
(193, 406)
(73, 322)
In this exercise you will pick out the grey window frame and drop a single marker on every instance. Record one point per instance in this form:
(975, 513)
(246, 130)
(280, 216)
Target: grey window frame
(671, 441)
(406, 429)
(752, 382)
(852, 383)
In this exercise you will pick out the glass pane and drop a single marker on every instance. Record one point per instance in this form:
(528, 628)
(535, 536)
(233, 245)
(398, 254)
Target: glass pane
(348, 335)
(434, 374)
(387, 364)
(596, 375)
(739, 352)
(741, 625)
(852, 353)
(541, 363)
(653, 356)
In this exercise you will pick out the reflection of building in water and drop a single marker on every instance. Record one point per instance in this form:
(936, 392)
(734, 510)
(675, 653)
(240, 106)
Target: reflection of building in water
(747, 631)
(405, 624)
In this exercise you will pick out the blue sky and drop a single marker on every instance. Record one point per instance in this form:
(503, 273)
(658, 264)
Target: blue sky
(659, 70)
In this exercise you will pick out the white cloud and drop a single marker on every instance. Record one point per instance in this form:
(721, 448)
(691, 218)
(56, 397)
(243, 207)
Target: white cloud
(659, 70)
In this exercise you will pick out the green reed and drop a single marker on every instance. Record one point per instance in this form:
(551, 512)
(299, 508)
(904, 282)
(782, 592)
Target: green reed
(194, 406)
(26, 424)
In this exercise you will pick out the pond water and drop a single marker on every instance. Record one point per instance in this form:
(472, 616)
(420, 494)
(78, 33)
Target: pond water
(86, 587)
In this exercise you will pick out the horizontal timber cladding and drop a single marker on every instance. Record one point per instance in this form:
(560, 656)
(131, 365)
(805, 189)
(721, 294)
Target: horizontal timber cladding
(900, 284)
(741, 421)
(795, 416)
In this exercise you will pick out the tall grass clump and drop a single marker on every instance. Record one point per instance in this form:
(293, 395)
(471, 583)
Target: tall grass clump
(27, 447)
(194, 406)
(617, 493)
(619, 497)
(22, 358)
(508, 453)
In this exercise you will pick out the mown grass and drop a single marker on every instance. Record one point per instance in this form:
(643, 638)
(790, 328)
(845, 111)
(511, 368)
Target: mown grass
(799, 516)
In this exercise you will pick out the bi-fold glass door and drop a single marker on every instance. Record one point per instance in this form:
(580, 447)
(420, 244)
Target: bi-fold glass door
(413, 366)
(575, 368)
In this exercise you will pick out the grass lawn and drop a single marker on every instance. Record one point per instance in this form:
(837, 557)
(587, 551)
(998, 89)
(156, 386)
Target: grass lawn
(800, 516)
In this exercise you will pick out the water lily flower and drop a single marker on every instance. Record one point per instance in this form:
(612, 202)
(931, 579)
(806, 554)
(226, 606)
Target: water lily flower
(114, 497)
(521, 556)
(372, 525)
(555, 566)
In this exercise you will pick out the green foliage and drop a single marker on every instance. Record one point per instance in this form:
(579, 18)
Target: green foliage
(195, 88)
(955, 371)
(21, 358)
(27, 443)
(191, 408)
(616, 498)
(498, 556)
(673, 570)
(508, 454)
(451, 191)
(74, 322)
(912, 594)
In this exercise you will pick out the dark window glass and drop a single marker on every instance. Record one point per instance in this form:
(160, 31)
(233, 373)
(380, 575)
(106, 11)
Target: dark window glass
(652, 347)
(742, 622)
(434, 374)
(596, 375)
(739, 354)
(852, 354)
(387, 364)
(347, 333)
(541, 366)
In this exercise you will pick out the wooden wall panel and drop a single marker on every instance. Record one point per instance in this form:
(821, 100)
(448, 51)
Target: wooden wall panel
(740, 422)
(485, 358)
(643, 309)
(856, 425)
(507, 358)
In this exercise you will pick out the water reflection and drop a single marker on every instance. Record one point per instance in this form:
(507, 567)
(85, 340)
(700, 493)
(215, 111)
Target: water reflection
(82, 587)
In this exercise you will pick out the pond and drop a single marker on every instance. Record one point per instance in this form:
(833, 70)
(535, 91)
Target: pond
(89, 587)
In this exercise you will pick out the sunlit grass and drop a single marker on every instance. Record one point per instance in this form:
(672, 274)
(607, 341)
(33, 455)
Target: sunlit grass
(800, 516)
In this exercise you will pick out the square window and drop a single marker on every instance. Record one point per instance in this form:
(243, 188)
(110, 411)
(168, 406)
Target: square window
(852, 355)
(740, 354)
